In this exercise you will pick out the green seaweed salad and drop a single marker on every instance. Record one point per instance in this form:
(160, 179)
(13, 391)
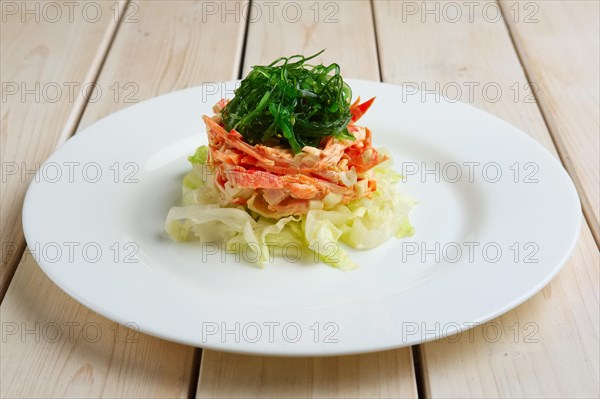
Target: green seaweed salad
(291, 103)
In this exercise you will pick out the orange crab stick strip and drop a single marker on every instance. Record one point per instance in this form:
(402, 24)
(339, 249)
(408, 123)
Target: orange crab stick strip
(358, 110)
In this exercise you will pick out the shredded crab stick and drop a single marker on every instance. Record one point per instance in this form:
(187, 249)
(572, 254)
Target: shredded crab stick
(286, 162)
(275, 182)
(358, 110)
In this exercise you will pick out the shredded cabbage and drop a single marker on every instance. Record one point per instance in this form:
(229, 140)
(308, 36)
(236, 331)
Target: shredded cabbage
(363, 223)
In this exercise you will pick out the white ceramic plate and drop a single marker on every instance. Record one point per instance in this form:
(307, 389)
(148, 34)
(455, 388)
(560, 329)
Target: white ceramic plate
(484, 242)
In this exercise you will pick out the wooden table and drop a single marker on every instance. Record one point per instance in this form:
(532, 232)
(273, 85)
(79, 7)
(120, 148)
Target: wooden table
(541, 56)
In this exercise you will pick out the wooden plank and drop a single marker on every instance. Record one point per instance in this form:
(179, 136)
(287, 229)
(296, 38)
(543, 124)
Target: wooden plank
(558, 45)
(175, 45)
(54, 347)
(160, 47)
(346, 30)
(555, 353)
(548, 348)
(49, 55)
(376, 375)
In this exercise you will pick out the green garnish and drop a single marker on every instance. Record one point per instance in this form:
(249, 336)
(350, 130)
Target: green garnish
(291, 103)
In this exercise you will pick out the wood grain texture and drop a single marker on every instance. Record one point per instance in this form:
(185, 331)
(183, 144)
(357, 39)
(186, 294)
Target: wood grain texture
(556, 350)
(344, 29)
(376, 375)
(350, 42)
(548, 348)
(559, 46)
(175, 45)
(46, 62)
(54, 347)
(166, 49)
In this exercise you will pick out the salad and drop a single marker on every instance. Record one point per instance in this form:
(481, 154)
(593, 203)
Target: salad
(286, 164)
